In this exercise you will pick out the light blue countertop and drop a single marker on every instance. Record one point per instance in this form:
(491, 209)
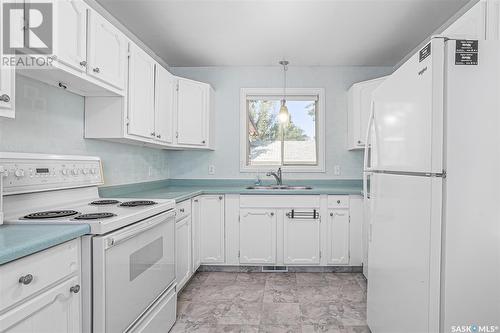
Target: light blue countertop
(181, 190)
(17, 240)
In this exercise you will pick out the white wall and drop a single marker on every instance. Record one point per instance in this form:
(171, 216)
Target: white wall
(50, 120)
(227, 82)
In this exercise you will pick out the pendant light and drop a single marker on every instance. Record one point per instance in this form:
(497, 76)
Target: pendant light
(283, 115)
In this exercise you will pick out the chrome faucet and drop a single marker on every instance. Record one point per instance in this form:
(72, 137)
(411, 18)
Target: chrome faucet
(277, 175)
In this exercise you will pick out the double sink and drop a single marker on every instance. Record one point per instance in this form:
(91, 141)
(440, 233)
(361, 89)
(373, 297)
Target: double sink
(278, 187)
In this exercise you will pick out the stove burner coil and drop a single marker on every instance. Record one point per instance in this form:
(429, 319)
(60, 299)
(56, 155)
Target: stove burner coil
(137, 203)
(104, 202)
(94, 216)
(51, 214)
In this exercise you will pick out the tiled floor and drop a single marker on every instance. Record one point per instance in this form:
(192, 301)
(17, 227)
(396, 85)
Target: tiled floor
(273, 302)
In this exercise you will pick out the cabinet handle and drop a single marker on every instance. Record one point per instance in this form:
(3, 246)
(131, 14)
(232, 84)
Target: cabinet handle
(96, 70)
(27, 279)
(272, 214)
(203, 142)
(5, 98)
(331, 214)
(181, 210)
(338, 201)
(75, 289)
(62, 85)
(220, 197)
(153, 133)
(159, 136)
(83, 63)
(359, 142)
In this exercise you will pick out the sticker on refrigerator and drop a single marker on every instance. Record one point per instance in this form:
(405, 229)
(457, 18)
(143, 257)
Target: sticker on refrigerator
(466, 52)
(466, 58)
(467, 45)
(425, 52)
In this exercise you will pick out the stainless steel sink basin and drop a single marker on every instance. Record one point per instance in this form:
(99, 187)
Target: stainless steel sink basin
(278, 187)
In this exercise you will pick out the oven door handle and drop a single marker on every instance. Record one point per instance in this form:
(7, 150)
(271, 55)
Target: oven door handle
(135, 229)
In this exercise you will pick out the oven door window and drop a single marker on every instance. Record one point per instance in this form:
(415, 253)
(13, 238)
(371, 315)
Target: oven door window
(137, 271)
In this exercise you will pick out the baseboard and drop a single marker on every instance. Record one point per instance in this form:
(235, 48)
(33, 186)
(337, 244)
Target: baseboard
(291, 269)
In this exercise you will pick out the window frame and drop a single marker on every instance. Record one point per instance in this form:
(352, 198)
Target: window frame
(320, 128)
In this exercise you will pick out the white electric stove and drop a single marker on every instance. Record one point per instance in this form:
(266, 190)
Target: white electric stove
(128, 259)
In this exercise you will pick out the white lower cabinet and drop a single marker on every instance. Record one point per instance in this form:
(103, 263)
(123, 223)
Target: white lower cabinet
(41, 292)
(338, 237)
(183, 251)
(301, 240)
(195, 232)
(211, 229)
(257, 236)
(56, 310)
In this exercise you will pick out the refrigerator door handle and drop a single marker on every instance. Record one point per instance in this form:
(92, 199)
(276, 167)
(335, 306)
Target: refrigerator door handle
(368, 147)
(366, 185)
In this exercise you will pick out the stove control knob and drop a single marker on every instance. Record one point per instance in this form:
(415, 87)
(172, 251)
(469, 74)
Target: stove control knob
(75, 171)
(93, 171)
(19, 173)
(85, 171)
(64, 172)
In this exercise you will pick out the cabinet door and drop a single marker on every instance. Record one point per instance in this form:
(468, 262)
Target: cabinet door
(338, 237)
(7, 81)
(195, 230)
(301, 241)
(191, 113)
(107, 51)
(56, 310)
(141, 93)
(211, 226)
(70, 26)
(257, 236)
(183, 251)
(164, 104)
(471, 25)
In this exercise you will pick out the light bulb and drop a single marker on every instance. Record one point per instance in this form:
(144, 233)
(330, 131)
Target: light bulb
(283, 115)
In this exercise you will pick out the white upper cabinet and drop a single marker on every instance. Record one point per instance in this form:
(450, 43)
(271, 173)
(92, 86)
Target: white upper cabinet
(70, 27)
(141, 93)
(258, 236)
(164, 105)
(107, 51)
(194, 116)
(471, 25)
(359, 108)
(7, 82)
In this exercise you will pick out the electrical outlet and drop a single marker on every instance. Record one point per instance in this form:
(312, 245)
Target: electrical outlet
(336, 170)
(211, 169)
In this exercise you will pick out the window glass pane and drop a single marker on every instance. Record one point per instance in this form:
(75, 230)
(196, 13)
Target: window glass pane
(271, 144)
(300, 134)
(264, 145)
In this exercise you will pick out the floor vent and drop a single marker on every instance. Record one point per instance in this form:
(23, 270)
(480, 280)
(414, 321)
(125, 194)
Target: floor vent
(274, 269)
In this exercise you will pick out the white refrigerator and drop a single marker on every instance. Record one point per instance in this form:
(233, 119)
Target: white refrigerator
(432, 191)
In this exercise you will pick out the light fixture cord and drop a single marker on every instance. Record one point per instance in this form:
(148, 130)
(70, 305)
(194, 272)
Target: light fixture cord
(284, 80)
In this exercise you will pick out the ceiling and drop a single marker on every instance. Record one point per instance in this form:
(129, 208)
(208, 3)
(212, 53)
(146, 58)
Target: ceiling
(261, 32)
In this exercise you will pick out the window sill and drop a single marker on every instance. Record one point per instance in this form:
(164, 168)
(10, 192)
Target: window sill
(287, 169)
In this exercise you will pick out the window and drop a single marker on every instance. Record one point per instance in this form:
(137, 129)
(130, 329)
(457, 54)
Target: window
(266, 143)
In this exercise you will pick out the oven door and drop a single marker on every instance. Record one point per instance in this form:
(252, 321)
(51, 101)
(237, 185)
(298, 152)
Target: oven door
(131, 268)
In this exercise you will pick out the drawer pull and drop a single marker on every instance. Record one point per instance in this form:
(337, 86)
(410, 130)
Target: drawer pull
(305, 215)
(75, 289)
(5, 98)
(338, 201)
(181, 210)
(27, 279)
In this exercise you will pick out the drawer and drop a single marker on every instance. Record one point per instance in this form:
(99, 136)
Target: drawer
(279, 201)
(44, 268)
(160, 317)
(182, 209)
(338, 201)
